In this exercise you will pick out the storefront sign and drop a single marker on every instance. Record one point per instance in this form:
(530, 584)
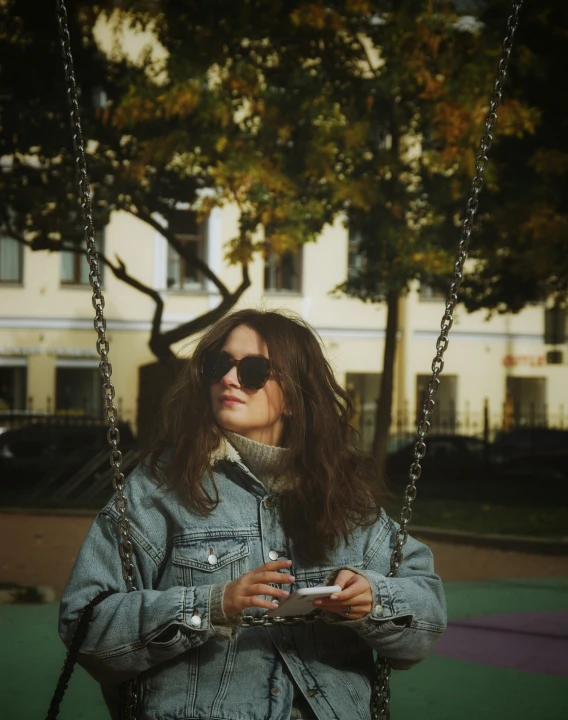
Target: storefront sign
(20, 351)
(530, 360)
(73, 352)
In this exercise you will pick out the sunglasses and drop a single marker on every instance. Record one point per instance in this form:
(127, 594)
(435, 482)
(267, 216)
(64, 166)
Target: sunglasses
(253, 370)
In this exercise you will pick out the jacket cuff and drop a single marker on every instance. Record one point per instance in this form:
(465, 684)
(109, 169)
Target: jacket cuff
(388, 612)
(221, 624)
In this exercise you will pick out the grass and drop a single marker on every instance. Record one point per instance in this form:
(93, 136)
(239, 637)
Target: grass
(496, 512)
(487, 518)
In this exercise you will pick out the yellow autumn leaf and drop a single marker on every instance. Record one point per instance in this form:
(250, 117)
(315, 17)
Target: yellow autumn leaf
(221, 143)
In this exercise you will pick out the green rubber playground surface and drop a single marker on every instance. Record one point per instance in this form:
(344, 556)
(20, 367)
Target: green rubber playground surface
(446, 686)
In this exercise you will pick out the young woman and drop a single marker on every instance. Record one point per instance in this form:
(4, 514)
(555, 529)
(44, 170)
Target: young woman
(252, 492)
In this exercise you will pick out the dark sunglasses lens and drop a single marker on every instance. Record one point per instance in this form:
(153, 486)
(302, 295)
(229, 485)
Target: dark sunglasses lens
(217, 366)
(254, 372)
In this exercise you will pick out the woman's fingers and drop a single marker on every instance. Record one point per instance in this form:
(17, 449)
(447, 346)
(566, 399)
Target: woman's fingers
(354, 611)
(261, 589)
(272, 577)
(257, 601)
(357, 585)
(361, 601)
(271, 566)
(355, 599)
(239, 594)
(344, 577)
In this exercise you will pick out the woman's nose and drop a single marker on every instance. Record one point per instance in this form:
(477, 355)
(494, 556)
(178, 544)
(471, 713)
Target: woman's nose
(231, 378)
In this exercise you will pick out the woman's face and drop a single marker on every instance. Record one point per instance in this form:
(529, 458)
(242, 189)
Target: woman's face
(255, 414)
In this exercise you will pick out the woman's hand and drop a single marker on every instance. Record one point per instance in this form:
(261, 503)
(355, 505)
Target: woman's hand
(355, 599)
(244, 591)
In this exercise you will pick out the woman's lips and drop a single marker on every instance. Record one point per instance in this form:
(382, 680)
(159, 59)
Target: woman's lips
(230, 401)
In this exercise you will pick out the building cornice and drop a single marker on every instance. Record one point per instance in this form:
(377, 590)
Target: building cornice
(62, 323)
(477, 335)
(169, 322)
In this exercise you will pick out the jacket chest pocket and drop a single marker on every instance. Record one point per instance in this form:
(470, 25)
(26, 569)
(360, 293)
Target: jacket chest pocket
(208, 561)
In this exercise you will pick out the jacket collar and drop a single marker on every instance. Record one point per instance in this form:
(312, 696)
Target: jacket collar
(225, 451)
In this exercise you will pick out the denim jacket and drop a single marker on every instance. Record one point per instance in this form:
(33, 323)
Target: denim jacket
(192, 669)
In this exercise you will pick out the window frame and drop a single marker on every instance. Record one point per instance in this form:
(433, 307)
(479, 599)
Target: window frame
(180, 287)
(94, 403)
(79, 257)
(11, 365)
(20, 281)
(354, 243)
(270, 258)
(427, 295)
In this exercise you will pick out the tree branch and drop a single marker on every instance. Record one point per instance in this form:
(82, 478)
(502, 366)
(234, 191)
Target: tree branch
(160, 348)
(182, 250)
(204, 321)
(161, 351)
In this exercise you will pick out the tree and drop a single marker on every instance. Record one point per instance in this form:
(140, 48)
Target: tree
(370, 110)
(38, 197)
(429, 72)
(521, 249)
(433, 82)
(374, 104)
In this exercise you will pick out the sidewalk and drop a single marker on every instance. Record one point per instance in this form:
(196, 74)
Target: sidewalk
(48, 543)
(510, 663)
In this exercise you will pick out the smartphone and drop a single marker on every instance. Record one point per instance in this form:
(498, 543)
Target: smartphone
(301, 602)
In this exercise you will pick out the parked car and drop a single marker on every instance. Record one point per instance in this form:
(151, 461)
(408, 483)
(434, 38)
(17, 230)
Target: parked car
(449, 458)
(464, 467)
(545, 471)
(532, 441)
(44, 440)
(50, 453)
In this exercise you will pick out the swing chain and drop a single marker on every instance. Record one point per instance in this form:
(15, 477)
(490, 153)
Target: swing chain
(251, 621)
(380, 702)
(381, 693)
(98, 301)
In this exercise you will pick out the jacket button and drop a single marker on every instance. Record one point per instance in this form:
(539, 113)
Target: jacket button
(195, 620)
(275, 692)
(378, 610)
(274, 554)
(212, 560)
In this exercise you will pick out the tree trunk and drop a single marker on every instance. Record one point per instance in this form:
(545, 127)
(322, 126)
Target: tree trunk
(383, 415)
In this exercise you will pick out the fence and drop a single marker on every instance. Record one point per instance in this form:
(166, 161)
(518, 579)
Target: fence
(14, 419)
(60, 460)
(447, 420)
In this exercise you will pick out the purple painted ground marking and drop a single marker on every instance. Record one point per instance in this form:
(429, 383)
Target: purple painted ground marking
(535, 642)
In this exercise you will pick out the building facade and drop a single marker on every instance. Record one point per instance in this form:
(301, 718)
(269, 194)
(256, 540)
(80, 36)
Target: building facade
(48, 361)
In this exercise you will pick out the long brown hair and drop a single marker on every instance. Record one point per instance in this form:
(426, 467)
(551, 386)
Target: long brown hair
(329, 487)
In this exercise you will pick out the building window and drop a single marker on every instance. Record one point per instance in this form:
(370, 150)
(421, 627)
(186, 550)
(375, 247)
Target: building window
(183, 275)
(78, 391)
(11, 261)
(283, 273)
(525, 403)
(428, 294)
(74, 264)
(364, 390)
(13, 383)
(356, 260)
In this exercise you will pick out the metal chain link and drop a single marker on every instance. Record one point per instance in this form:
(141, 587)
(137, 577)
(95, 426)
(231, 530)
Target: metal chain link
(380, 701)
(250, 621)
(380, 708)
(98, 301)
